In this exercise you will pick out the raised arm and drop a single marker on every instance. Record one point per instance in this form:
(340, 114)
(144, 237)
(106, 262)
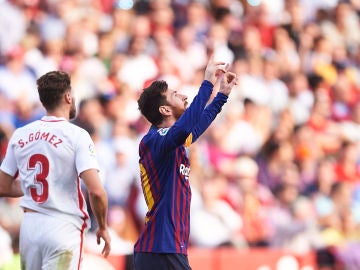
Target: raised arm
(183, 127)
(228, 81)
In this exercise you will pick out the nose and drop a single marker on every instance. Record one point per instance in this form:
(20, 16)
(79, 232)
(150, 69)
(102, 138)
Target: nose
(181, 96)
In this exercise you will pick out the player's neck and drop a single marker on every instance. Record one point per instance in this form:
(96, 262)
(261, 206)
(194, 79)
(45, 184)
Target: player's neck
(59, 113)
(166, 123)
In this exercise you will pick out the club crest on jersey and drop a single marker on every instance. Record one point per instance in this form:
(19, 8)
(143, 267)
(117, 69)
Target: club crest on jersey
(163, 131)
(91, 150)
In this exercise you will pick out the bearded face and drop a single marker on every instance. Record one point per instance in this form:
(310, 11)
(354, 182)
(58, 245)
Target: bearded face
(72, 112)
(177, 102)
(179, 110)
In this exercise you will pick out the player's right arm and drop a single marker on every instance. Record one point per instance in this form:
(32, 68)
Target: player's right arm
(88, 167)
(183, 127)
(99, 205)
(9, 186)
(229, 80)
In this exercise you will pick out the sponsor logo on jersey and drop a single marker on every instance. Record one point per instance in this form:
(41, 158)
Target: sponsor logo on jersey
(185, 171)
(163, 131)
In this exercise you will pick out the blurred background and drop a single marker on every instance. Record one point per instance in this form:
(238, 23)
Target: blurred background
(275, 179)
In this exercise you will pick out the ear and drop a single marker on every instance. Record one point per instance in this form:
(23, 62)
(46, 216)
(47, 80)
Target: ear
(165, 110)
(68, 98)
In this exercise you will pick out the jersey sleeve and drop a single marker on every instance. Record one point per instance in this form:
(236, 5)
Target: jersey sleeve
(9, 164)
(85, 155)
(208, 116)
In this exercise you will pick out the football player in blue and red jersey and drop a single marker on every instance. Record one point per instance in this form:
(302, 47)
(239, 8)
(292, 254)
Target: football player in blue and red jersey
(165, 167)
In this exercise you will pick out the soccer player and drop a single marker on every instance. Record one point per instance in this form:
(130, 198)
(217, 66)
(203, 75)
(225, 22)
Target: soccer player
(49, 156)
(165, 168)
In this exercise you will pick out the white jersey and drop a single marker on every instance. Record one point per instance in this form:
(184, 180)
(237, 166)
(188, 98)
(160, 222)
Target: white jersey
(49, 154)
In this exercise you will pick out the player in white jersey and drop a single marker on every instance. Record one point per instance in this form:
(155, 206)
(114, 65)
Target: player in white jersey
(50, 156)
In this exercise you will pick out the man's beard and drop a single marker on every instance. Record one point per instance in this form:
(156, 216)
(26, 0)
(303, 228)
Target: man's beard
(178, 112)
(72, 112)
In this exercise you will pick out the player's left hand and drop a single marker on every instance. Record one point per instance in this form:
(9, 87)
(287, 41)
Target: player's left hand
(228, 81)
(104, 234)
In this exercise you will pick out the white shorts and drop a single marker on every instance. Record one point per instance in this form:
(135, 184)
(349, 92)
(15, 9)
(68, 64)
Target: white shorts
(48, 243)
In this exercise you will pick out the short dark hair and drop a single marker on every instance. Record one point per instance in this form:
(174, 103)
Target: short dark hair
(151, 99)
(51, 87)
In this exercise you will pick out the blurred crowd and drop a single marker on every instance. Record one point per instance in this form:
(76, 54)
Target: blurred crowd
(279, 167)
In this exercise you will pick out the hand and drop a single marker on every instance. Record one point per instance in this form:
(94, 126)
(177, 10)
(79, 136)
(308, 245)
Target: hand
(104, 234)
(227, 83)
(215, 70)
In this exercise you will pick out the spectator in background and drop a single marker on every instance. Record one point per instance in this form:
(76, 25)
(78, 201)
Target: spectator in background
(189, 53)
(324, 179)
(346, 166)
(139, 62)
(214, 223)
(301, 98)
(260, 18)
(274, 158)
(307, 155)
(197, 17)
(94, 117)
(326, 131)
(251, 122)
(350, 129)
(162, 16)
(278, 91)
(13, 22)
(251, 85)
(339, 28)
(251, 200)
(292, 221)
(296, 22)
(338, 216)
(123, 176)
(16, 80)
(345, 96)
(285, 49)
(217, 43)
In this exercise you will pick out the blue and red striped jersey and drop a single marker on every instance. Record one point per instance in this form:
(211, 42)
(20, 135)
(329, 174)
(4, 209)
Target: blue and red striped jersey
(165, 167)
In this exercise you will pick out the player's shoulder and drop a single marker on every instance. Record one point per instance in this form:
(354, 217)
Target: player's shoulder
(76, 129)
(155, 133)
(30, 126)
(74, 126)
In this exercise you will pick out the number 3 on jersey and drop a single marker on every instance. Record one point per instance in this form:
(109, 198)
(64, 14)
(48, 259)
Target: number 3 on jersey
(40, 178)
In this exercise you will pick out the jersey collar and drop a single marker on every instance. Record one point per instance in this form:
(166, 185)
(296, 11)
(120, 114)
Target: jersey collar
(50, 118)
